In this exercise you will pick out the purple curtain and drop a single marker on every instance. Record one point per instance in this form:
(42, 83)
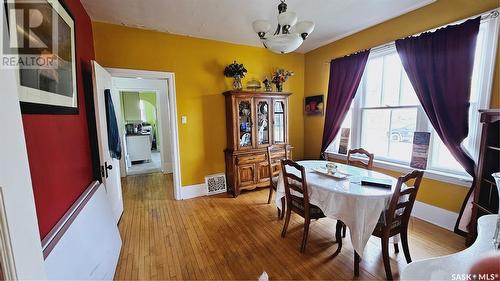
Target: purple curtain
(345, 75)
(439, 65)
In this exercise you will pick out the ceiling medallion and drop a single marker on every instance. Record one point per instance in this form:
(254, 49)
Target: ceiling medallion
(289, 34)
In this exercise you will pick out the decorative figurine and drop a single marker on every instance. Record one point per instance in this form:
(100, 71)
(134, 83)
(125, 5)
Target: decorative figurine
(267, 85)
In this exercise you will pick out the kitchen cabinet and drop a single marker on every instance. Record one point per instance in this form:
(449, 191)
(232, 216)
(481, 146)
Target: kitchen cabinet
(131, 106)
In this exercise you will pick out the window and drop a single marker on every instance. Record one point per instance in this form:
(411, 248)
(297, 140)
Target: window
(386, 111)
(389, 109)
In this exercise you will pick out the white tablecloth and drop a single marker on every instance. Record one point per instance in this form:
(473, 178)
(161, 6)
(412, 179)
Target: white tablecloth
(359, 207)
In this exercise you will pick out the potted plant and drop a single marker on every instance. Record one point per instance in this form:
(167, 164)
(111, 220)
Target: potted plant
(279, 77)
(235, 71)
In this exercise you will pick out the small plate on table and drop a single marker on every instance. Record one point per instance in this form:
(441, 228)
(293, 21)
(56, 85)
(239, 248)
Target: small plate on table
(335, 175)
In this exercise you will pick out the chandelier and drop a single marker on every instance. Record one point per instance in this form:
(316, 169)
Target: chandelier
(289, 34)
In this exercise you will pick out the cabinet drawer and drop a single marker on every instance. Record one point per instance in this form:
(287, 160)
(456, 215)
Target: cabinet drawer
(247, 159)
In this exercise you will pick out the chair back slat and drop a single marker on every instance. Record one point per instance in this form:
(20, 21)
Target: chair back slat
(407, 191)
(359, 163)
(295, 187)
(294, 177)
(402, 205)
(402, 201)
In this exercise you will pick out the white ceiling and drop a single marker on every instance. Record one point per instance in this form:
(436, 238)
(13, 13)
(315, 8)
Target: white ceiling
(231, 20)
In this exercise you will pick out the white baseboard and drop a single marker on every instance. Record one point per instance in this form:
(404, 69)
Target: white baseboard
(192, 191)
(168, 168)
(435, 215)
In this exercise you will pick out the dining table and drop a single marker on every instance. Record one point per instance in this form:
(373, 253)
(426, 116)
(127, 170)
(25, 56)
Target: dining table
(343, 197)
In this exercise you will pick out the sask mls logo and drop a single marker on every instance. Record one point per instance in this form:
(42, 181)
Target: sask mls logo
(30, 36)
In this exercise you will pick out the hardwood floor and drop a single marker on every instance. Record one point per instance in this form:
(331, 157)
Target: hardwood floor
(219, 237)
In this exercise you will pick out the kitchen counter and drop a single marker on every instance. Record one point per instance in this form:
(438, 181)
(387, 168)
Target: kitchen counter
(139, 147)
(139, 134)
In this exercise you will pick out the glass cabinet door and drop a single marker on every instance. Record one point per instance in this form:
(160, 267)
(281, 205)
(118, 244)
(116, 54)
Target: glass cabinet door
(279, 121)
(262, 113)
(245, 122)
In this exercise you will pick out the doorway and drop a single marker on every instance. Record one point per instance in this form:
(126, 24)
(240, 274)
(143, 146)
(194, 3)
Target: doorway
(151, 119)
(141, 127)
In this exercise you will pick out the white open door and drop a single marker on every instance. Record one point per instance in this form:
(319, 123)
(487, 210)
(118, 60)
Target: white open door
(110, 167)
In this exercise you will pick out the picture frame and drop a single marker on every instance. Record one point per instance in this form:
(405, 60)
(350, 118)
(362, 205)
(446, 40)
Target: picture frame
(420, 151)
(344, 140)
(51, 88)
(314, 105)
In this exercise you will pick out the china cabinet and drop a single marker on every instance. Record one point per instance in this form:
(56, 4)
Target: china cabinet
(485, 191)
(254, 121)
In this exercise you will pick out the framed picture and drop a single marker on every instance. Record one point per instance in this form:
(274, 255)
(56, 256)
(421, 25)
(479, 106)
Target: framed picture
(344, 140)
(46, 55)
(314, 105)
(420, 151)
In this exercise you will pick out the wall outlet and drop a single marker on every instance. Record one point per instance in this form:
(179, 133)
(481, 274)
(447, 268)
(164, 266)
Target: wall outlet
(184, 119)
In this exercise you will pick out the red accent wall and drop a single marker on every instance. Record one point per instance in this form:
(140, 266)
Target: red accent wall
(58, 146)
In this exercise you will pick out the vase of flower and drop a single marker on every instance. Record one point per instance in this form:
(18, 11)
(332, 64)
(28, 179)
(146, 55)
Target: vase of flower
(279, 77)
(237, 83)
(235, 71)
(279, 87)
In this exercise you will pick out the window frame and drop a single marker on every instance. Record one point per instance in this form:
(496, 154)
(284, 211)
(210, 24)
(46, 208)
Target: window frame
(486, 68)
(358, 107)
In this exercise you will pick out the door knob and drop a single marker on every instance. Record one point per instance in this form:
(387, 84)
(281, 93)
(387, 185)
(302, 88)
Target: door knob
(106, 168)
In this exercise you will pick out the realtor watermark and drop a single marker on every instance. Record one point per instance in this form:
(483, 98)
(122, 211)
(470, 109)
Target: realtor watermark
(30, 37)
(474, 276)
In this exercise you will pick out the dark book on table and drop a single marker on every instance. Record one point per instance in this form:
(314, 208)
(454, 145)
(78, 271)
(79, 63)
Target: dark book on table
(384, 183)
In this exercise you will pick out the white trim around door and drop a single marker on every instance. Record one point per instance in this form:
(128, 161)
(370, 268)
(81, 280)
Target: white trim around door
(169, 77)
(20, 248)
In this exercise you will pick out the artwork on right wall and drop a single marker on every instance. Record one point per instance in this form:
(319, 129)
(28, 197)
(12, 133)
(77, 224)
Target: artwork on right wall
(314, 105)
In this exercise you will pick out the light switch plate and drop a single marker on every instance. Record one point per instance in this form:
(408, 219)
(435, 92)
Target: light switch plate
(184, 119)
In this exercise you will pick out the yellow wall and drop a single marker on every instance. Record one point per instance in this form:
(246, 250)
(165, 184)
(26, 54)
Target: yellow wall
(441, 12)
(198, 65)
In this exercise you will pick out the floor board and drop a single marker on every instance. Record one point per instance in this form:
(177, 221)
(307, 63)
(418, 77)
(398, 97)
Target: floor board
(219, 237)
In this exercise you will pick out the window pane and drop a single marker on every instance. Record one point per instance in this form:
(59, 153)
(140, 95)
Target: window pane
(478, 55)
(441, 156)
(263, 122)
(279, 122)
(373, 74)
(375, 131)
(408, 96)
(403, 125)
(392, 80)
(334, 146)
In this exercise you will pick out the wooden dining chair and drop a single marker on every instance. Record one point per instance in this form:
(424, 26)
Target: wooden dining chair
(395, 219)
(273, 180)
(358, 163)
(298, 204)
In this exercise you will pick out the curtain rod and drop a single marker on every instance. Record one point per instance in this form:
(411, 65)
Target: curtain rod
(485, 17)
